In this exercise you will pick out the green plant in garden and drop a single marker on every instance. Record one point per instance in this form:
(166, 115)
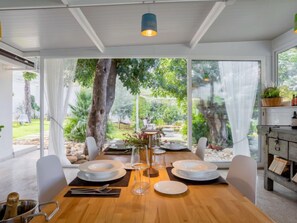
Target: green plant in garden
(199, 127)
(271, 92)
(76, 125)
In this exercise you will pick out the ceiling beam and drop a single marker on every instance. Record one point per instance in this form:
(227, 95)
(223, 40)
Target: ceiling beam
(10, 5)
(128, 2)
(86, 26)
(208, 21)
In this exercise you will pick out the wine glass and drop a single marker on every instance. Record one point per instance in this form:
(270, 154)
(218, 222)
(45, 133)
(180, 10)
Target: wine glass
(140, 164)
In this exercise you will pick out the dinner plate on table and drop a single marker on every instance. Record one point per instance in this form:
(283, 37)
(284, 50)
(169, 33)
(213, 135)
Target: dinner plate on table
(128, 166)
(205, 177)
(174, 146)
(101, 166)
(94, 178)
(170, 187)
(159, 151)
(194, 166)
(118, 147)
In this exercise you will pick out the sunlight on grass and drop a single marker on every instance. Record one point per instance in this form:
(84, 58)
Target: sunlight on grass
(117, 133)
(27, 129)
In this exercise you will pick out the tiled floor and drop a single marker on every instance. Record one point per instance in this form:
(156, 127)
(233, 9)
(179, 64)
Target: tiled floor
(19, 174)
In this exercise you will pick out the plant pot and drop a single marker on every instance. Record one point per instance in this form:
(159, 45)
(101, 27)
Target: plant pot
(271, 102)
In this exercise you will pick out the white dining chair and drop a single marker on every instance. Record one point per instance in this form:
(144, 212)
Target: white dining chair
(92, 147)
(200, 151)
(242, 174)
(50, 178)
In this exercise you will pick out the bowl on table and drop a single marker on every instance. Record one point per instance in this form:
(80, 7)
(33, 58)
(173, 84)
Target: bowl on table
(194, 168)
(101, 168)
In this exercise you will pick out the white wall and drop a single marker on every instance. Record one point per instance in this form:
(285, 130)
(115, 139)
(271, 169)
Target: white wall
(250, 50)
(6, 112)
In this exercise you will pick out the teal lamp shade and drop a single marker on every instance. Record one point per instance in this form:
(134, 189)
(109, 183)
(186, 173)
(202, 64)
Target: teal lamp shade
(295, 27)
(149, 24)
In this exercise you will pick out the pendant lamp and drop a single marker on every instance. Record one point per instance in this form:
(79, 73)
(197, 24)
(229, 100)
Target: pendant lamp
(149, 24)
(295, 27)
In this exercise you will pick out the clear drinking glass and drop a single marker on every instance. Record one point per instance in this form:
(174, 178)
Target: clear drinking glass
(140, 164)
(159, 161)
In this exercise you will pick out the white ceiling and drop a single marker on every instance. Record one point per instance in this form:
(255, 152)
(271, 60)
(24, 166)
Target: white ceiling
(51, 25)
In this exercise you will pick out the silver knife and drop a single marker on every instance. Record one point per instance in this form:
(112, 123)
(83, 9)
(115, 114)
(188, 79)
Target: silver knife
(93, 193)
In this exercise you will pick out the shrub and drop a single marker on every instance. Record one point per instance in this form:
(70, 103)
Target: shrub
(199, 127)
(76, 124)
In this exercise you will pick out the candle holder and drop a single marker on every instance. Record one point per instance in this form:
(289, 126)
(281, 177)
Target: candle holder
(151, 171)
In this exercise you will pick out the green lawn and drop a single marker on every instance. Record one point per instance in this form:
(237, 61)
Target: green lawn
(32, 128)
(117, 133)
(20, 131)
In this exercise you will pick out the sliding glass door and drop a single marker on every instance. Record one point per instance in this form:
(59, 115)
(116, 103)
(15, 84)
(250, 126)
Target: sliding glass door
(225, 107)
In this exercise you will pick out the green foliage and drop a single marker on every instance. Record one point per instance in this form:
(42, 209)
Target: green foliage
(287, 68)
(110, 129)
(123, 104)
(76, 125)
(159, 112)
(135, 73)
(34, 106)
(170, 78)
(1, 127)
(286, 93)
(29, 76)
(85, 71)
(199, 127)
(271, 92)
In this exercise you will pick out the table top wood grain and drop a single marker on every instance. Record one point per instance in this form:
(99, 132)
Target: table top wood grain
(201, 203)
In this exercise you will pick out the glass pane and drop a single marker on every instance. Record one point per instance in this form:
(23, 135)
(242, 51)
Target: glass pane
(221, 99)
(287, 66)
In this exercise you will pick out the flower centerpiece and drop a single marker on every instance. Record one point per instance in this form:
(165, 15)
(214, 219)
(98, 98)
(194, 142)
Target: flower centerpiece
(138, 140)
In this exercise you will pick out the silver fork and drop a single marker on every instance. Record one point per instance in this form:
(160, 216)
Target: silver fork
(104, 189)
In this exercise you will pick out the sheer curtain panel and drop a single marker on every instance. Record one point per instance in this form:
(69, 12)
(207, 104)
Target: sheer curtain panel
(239, 83)
(59, 75)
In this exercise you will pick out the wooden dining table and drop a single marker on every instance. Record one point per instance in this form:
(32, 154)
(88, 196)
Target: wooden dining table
(200, 203)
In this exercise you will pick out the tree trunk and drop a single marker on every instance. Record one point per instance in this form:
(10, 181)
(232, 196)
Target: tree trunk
(28, 100)
(111, 85)
(215, 121)
(98, 110)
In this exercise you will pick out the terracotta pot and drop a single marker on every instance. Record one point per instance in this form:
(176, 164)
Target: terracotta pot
(271, 102)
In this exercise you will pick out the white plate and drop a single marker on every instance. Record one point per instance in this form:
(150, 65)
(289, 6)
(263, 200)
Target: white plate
(92, 178)
(210, 176)
(170, 187)
(118, 147)
(174, 146)
(101, 166)
(194, 166)
(128, 166)
(159, 151)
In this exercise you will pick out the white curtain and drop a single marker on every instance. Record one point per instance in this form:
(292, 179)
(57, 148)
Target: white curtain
(239, 83)
(59, 75)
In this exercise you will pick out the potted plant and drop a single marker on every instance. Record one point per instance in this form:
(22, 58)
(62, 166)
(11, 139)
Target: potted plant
(271, 97)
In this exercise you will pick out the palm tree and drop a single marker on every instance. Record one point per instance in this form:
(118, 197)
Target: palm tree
(28, 76)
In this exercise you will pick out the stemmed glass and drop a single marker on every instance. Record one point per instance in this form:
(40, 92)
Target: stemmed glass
(140, 163)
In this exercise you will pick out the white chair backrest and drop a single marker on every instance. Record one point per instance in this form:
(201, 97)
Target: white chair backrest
(92, 147)
(243, 175)
(50, 178)
(202, 142)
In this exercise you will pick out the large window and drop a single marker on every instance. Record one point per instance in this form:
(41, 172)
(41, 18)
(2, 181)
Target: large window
(225, 109)
(287, 68)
